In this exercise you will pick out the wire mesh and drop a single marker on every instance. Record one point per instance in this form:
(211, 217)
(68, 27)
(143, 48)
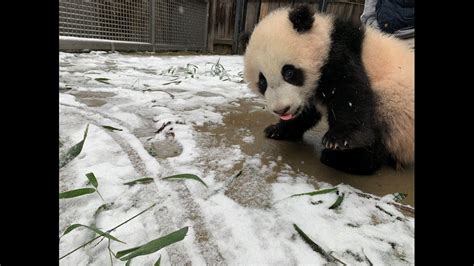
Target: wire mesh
(180, 23)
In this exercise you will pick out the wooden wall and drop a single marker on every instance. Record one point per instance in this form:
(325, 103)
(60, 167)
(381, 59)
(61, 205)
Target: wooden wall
(221, 25)
(348, 9)
(222, 17)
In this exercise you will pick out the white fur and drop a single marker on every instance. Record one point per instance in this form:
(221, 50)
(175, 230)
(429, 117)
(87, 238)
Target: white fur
(268, 52)
(389, 63)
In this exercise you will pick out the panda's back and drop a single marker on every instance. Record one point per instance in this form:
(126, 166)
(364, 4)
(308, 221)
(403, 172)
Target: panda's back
(389, 64)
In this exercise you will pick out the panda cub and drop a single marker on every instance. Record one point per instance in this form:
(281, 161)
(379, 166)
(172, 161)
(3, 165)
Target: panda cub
(307, 65)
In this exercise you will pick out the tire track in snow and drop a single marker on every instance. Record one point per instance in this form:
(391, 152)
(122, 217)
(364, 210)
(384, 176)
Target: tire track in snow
(203, 238)
(176, 253)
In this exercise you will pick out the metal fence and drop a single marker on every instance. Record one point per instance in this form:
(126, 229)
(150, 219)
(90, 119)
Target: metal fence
(145, 25)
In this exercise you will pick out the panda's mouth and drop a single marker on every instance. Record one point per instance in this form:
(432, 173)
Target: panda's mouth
(287, 117)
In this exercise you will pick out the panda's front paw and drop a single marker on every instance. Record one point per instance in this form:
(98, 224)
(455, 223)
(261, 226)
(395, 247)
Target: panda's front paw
(279, 132)
(343, 139)
(336, 141)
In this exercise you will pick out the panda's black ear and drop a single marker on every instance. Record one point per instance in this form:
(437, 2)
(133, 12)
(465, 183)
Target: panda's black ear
(302, 18)
(244, 39)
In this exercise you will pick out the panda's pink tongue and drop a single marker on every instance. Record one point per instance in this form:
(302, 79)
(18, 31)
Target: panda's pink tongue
(286, 117)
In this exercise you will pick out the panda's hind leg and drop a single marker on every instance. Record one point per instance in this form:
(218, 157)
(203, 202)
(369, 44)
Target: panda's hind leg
(357, 161)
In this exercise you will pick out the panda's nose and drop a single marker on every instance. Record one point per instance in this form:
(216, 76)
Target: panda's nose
(282, 111)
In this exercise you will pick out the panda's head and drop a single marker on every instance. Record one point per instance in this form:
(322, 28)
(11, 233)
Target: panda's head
(284, 56)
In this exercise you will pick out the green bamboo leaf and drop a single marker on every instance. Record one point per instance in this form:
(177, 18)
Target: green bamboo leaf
(75, 150)
(95, 238)
(103, 207)
(105, 234)
(70, 228)
(126, 251)
(144, 180)
(317, 192)
(128, 263)
(157, 263)
(338, 202)
(313, 245)
(157, 244)
(76, 193)
(92, 179)
(111, 128)
(186, 176)
(103, 80)
(399, 197)
(172, 82)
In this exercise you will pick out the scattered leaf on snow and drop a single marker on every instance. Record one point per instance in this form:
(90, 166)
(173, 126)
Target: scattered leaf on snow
(317, 192)
(92, 179)
(105, 234)
(76, 193)
(338, 202)
(111, 128)
(153, 245)
(157, 263)
(103, 80)
(144, 180)
(186, 176)
(103, 207)
(75, 150)
(398, 197)
(313, 245)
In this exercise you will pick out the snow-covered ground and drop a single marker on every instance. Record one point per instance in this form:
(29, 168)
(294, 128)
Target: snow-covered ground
(161, 103)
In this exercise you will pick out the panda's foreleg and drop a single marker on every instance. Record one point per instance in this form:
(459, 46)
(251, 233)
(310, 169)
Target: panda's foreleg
(352, 142)
(295, 128)
(350, 113)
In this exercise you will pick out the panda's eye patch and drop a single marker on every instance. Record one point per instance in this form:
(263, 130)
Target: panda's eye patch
(262, 83)
(293, 75)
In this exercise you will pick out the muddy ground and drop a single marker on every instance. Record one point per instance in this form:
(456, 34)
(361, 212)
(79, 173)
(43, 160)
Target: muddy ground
(302, 156)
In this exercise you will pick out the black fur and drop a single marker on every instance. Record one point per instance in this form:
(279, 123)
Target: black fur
(358, 161)
(294, 129)
(302, 18)
(293, 75)
(244, 40)
(262, 83)
(353, 136)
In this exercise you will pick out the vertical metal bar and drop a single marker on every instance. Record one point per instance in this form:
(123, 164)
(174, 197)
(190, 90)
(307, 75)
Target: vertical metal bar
(206, 31)
(258, 10)
(244, 17)
(324, 6)
(238, 19)
(152, 24)
(212, 22)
